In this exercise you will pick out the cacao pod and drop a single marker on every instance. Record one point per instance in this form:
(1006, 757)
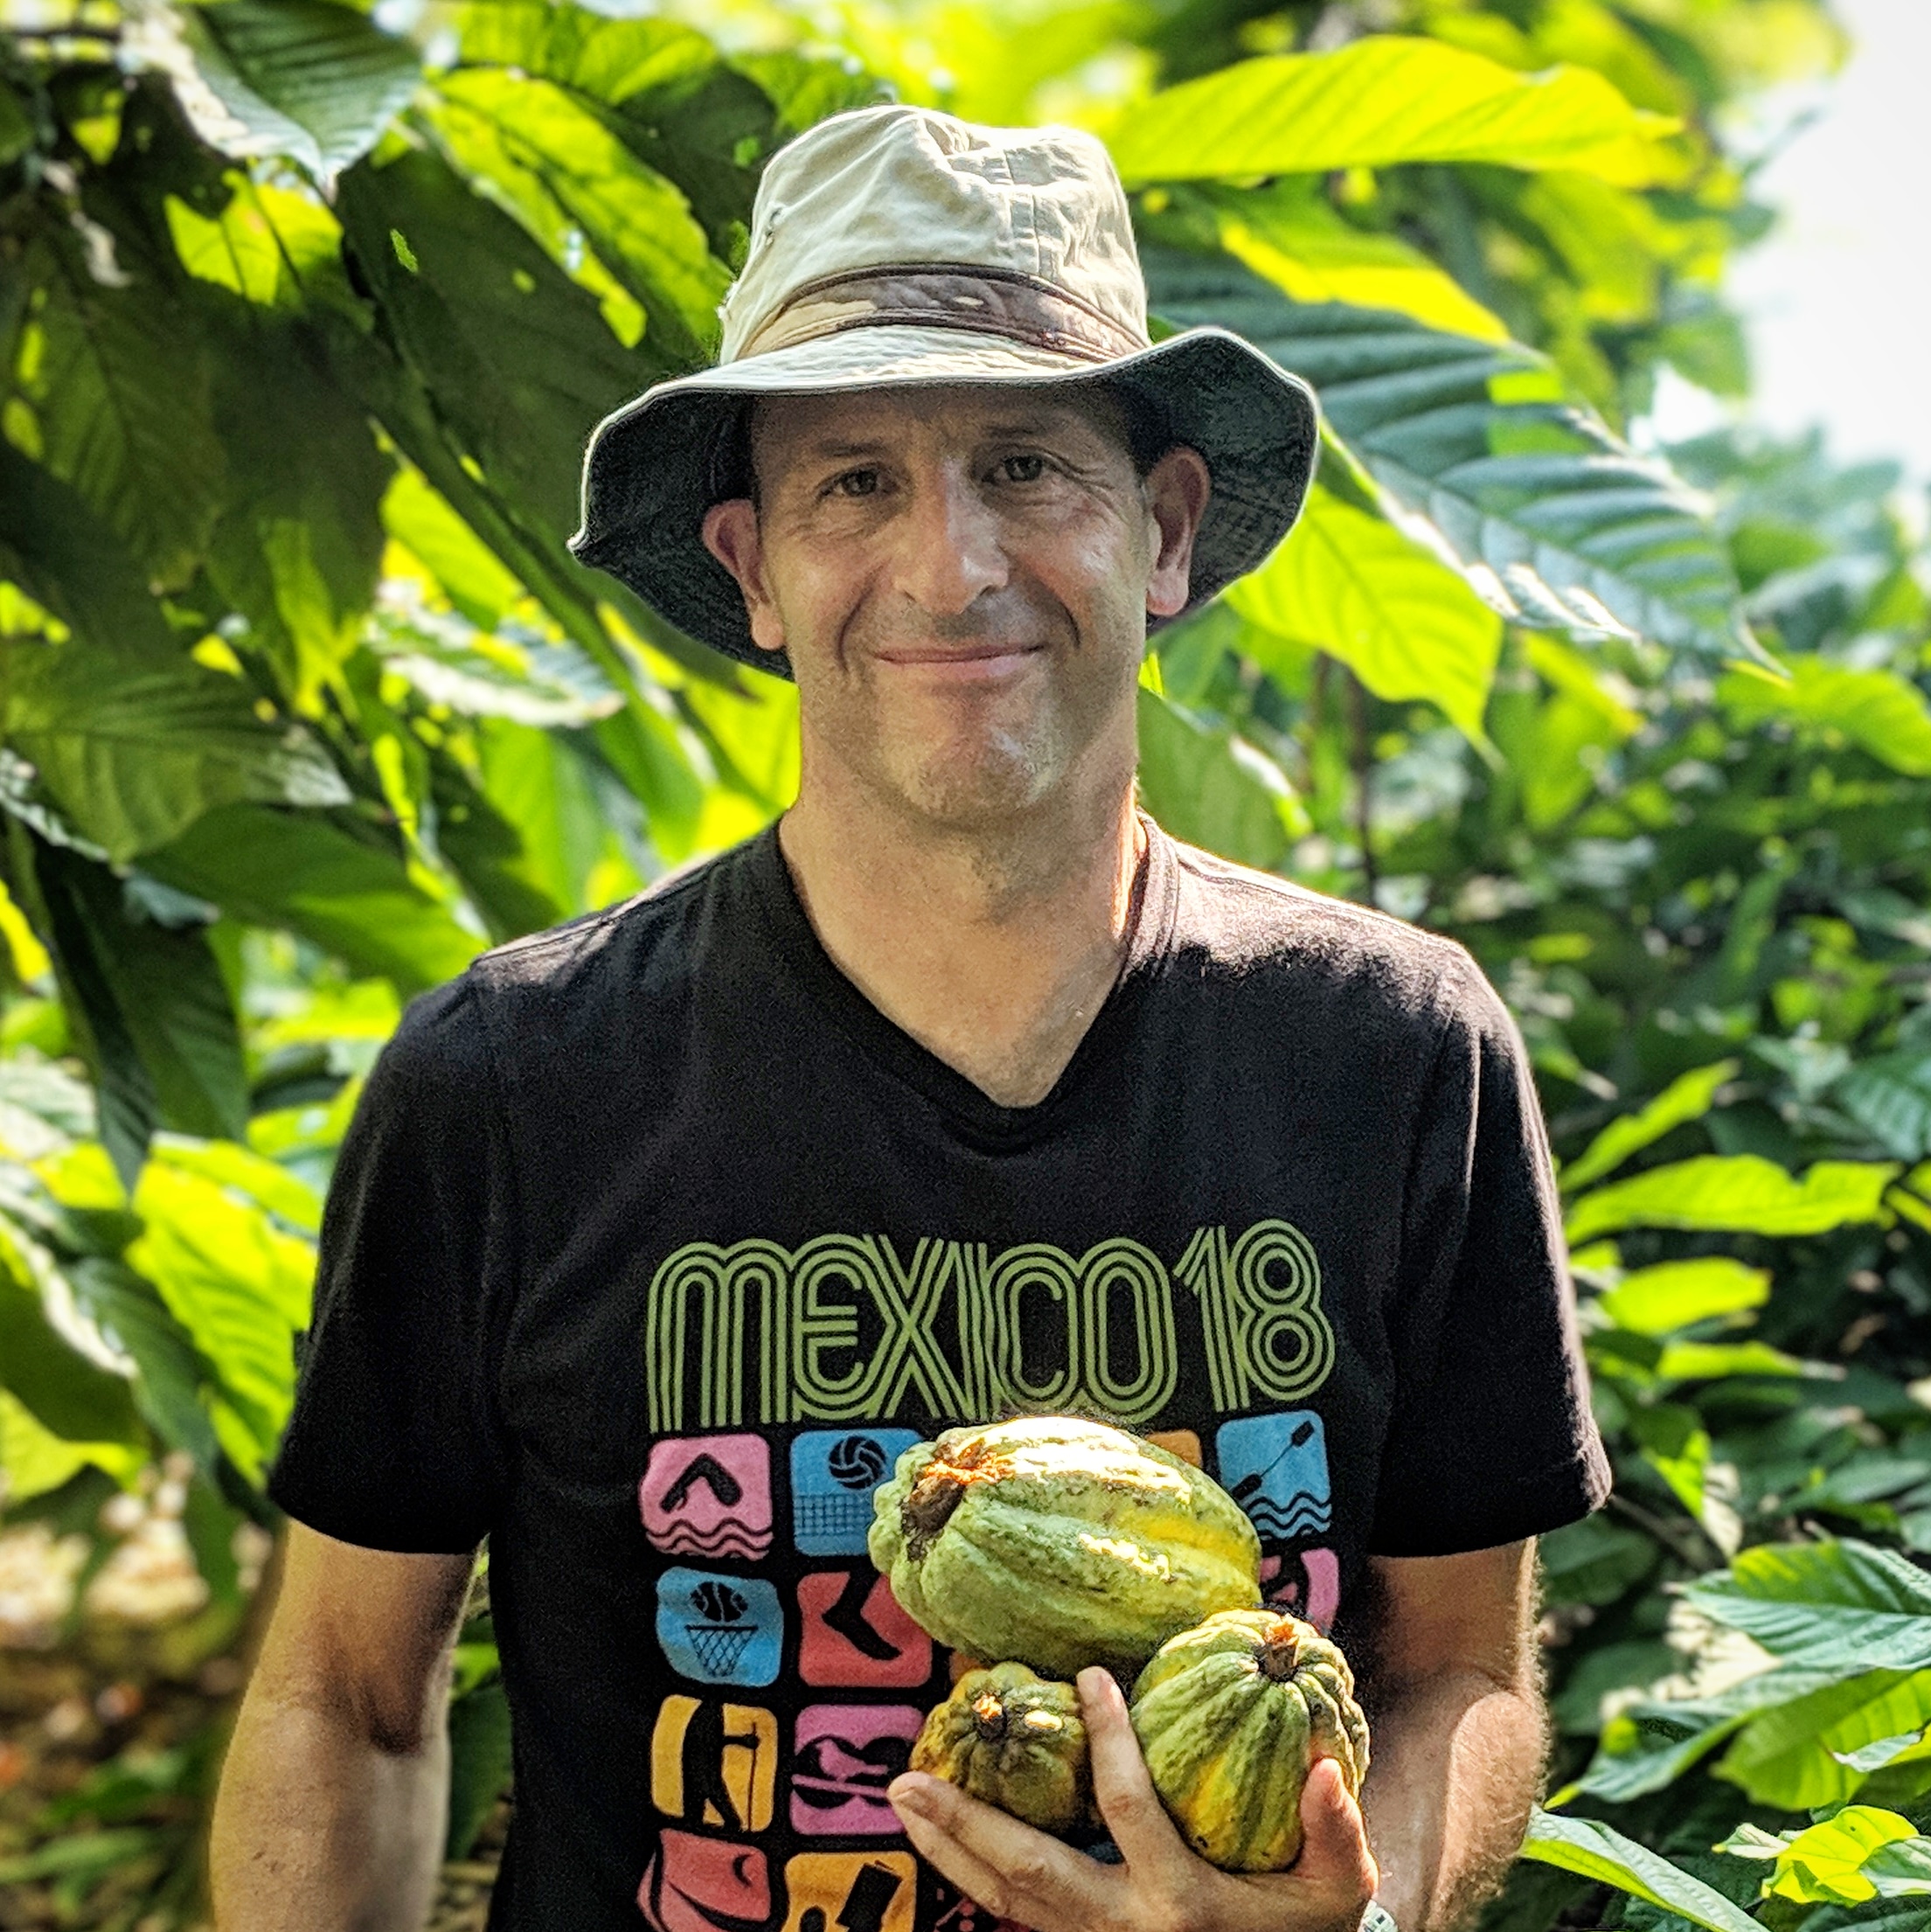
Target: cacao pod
(1016, 1741)
(1231, 1718)
(1059, 1543)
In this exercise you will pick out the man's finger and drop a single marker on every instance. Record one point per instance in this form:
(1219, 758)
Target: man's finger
(1334, 1840)
(1009, 1868)
(1128, 1802)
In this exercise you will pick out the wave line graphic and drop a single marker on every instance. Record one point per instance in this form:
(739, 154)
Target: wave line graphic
(727, 1539)
(1299, 1514)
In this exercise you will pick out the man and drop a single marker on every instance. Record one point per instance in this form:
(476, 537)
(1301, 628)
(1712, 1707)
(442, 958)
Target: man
(963, 1090)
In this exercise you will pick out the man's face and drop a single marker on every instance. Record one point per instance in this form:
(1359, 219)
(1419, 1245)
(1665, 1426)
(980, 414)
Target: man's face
(961, 576)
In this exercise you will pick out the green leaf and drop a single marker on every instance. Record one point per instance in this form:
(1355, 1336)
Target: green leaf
(1688, 1097)
(131, 738)
(1673, 1294)
(1587, 1847)
(149, 1002)
(302, 873)
(1739, 1193)
(306, 79)
(479, 1762)
(237, 1285)
(1860, 1854)
(15, 128)
(300, 547)
(1215, 790)
(75, 1398)
(270, 245)
(607, 58)
(515, 357)
(1475, 450)
(1708, 1361)
(1383, 101)
(1877, 709)
(34, 1460)
(1890, 1095)
(1827, 1607)
(1346, 583)
(1594, 1561)
(1792, 1757)
(564, 170)
(121, 396)
(1291, 234)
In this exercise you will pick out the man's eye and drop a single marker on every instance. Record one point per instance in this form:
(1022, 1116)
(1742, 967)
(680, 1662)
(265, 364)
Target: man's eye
(857, 483)
(1023, 468)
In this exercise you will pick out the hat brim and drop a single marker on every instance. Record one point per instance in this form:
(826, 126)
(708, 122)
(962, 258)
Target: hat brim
(649, 474)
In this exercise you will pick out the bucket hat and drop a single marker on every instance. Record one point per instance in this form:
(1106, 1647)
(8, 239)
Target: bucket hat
(897, 245)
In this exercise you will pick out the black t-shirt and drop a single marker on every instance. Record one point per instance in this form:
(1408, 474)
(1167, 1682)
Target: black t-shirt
(654, 1243)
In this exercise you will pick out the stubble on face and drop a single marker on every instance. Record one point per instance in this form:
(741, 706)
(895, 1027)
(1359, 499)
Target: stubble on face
(960, 577)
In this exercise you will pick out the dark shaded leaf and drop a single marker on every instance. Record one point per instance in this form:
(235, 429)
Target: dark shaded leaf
(303, 78)
(299, 872)
(1476, 453)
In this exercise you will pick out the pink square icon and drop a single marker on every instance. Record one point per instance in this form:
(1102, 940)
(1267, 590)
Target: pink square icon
(843, 1756)
(708, 1496)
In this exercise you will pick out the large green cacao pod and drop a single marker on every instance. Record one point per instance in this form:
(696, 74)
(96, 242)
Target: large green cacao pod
(1232, 1717)
(1059, 1542)
(1016, 1741)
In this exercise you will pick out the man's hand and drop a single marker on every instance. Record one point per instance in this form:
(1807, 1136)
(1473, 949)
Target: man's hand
(1162, 1886)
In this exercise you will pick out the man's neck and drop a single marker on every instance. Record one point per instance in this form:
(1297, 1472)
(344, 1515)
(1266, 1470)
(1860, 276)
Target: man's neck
(994, 950)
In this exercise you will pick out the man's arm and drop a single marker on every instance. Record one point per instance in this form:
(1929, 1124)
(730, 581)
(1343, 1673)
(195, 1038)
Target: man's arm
(1451, 1685)
(335, 1794)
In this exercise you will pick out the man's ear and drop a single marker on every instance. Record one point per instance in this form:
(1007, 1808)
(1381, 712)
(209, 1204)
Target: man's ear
(731, 535)
(1176, 490)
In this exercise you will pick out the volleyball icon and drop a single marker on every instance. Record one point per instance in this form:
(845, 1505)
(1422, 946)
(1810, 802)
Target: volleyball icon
(856, 1462)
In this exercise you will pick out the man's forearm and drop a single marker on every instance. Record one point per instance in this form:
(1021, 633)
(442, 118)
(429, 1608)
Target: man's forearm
(319, 1828)
(1457, 1764)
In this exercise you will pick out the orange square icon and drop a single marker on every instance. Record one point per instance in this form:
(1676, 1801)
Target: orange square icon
(852, 1892)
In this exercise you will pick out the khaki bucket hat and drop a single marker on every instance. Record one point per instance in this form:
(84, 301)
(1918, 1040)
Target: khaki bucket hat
(897, 245)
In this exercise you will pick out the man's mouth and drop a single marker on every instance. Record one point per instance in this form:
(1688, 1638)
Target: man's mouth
(962, 663)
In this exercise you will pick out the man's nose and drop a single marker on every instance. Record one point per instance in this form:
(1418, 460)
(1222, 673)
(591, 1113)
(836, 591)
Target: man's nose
(949, 547)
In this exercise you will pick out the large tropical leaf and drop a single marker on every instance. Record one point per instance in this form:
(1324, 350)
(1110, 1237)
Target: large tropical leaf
(1862, 1853)
(564, 168)
(1595, 1851)
(1384, 99)
(1825, 1606)
(1673, 1294)
(299, 871)
(1214, 790)
(1879, 711)
(121, 387)
(236, 1283)
(1689, 1097)
(1475, 452)
(307, 79)
(1890, 1095)
(1743, 1192)
(130, 737)
(518, 359)
(149, 1003)
(299, 548)
(1347, 584)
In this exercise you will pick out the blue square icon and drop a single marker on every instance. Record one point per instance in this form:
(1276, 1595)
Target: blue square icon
(719, 1629)
(833, 1474)
(1276, 1467)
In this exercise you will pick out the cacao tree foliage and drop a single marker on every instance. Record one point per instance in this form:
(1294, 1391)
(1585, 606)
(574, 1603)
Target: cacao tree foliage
(305, 312)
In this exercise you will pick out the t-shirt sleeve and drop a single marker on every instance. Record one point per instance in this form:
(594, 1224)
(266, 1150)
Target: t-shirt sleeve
(1490, 1438)
(393, 1442)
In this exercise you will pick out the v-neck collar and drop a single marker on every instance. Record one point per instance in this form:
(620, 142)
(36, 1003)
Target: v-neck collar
(972, 1112)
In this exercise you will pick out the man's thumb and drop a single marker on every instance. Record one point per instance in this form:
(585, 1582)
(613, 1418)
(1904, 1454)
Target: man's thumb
(1334, 1842)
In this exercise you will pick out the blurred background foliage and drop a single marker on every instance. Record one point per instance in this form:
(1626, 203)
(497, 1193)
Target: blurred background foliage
(305, 313)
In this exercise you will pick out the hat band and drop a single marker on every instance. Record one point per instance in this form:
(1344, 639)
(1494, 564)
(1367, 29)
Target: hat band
(985, 301)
